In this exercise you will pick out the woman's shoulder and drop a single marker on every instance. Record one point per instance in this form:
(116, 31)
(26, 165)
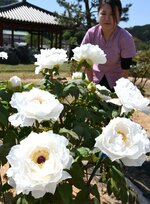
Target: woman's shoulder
(124, 33)
(91, 34)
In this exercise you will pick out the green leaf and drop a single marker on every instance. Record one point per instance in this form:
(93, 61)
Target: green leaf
(114, 113)
(83, 196)
(109, 189)
(71, 89)
(95, 150)
(65, 191)
(84, 131)
(6, 96)
(58, 89)
(132, 197)
(3, 188)
(22, 200)
(3, 115)
(70, 132)
(84, 151)
(77, 174)
(95, 192)
(10, 137)
(113, 186)
(116, 173)
(4, 150)
(96, 201)
(124, 194)
(28, 86)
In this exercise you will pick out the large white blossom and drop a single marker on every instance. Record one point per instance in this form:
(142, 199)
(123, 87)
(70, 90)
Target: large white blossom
(50, 58)
(3, 55)
(38, 163)
(125, 140)
(33, 105)
(92, 54)
(130, 97)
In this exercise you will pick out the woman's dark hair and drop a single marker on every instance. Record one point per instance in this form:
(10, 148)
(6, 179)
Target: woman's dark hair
(113, 4)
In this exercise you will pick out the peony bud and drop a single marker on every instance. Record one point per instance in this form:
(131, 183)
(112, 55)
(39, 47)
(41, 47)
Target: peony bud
(14, 83)
(91, 87)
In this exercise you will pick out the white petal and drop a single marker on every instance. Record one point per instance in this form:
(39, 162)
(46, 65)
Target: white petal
(137, 162)
(38, 69)
(38, 194)
(115, 101)
(20, 120)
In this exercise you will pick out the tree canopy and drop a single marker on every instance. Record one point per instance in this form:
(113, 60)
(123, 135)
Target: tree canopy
(5, 2)
(84, 12)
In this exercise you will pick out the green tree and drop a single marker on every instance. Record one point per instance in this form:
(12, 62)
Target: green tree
(140, 71)
(141, 32)
(84, 12)
(5, 2)
(141, 45)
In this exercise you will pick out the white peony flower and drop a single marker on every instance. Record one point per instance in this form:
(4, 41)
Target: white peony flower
(125, 140)
(78, 75)
(92, 54)
(38, 163)
(34, 105)
(50, 58)
(3, 55)
(99, 91)
(130, 97)
(14, 82)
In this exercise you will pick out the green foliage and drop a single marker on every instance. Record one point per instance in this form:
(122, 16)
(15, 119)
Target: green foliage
(27, 38)
(81, 121)
(83, 13)
(141, 45)
(6, 2)
(140, 71)
(141, 32)
(141, 36)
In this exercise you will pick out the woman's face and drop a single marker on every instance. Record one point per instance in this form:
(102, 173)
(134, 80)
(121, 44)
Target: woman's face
(107, 20)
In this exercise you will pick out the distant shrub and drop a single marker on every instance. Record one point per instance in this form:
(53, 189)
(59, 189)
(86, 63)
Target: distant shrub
(140, 71)
(21, 54)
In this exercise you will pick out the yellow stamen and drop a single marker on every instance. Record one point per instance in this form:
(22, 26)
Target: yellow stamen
(40, 156)
(124, 138)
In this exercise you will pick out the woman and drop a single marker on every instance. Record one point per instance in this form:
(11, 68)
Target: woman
(116, 42)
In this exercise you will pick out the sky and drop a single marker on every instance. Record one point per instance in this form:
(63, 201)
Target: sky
(139, 13)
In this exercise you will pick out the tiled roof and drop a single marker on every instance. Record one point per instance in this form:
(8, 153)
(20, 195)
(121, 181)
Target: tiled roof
(26, 12)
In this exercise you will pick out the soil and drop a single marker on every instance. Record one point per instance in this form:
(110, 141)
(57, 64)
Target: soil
(139, 176)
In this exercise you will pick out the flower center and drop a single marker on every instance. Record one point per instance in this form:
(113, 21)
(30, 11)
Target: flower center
(124, 138)
(41, 159)
(86, 62)
(40, 156)
(89, 61)
(38, 100)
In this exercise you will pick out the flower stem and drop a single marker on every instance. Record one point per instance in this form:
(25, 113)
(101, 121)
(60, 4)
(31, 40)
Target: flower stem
(94, 171)
(83, 75)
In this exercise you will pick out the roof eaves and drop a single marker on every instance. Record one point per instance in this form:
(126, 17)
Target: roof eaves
(24, 3)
